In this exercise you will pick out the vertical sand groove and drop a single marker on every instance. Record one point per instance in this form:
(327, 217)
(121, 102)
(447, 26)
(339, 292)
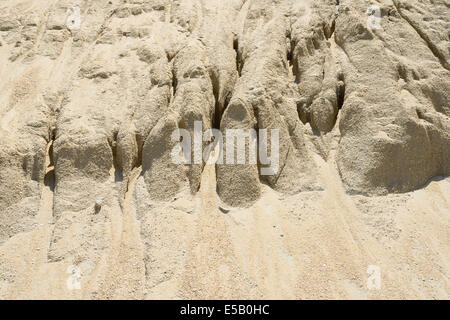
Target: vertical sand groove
(126, 272)
(37, 251)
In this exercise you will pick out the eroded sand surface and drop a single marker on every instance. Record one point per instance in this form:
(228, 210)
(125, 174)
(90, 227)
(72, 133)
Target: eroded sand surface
(86, 115)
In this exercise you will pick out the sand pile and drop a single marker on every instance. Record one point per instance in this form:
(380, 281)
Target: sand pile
(93, 206)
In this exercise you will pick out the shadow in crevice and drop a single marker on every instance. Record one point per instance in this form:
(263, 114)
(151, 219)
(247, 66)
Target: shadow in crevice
(49, 179)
